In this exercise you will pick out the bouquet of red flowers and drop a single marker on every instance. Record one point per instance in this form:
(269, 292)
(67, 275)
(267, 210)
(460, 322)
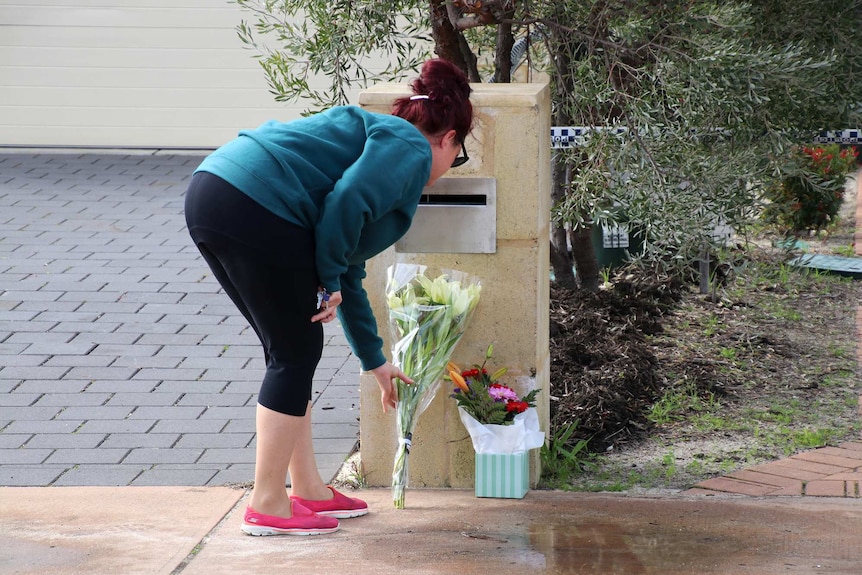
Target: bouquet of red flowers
(497, 418)
(486, 400)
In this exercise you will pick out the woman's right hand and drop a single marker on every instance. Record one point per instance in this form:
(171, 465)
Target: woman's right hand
(326, 312)
(388, 392)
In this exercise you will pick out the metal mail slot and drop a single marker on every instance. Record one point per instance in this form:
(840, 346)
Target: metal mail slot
(455, 215)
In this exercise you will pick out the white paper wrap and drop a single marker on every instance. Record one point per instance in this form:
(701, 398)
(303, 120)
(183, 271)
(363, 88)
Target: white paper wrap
(522, 435)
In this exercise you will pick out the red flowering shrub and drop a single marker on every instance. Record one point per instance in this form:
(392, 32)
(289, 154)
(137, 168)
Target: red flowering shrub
(810, 199)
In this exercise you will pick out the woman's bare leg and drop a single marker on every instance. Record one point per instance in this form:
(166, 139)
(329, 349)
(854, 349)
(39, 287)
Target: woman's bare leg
(277, 435)
(305, 481)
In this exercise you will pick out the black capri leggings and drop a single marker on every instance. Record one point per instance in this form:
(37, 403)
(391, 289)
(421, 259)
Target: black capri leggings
(266, 266)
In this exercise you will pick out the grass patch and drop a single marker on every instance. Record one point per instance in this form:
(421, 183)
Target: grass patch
(764, 370)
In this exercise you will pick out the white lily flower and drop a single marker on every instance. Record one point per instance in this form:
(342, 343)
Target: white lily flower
(428, 319)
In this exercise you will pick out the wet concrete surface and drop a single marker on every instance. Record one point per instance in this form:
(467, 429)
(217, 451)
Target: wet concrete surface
(453, 532)
(195, 531)
(559, 533)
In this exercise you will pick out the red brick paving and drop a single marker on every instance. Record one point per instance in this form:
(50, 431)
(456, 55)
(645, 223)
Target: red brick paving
(822, 472)
(817, 456)
(789, 471)
(777, 481)
(817, 467)
(730, 485)
(826, 488)
(825, 472)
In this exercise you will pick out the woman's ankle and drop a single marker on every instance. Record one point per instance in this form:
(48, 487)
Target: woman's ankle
(312, 493)
(271, 504)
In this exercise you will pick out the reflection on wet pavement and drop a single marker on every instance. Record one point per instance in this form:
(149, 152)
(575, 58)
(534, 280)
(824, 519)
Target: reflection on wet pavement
(445, 532)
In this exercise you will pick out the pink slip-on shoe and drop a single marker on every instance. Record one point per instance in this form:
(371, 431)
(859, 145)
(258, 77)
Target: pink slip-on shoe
(340, 506)
(303, 522)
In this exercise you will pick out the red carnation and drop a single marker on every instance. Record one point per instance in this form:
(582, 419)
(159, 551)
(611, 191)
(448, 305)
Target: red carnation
(517, 406)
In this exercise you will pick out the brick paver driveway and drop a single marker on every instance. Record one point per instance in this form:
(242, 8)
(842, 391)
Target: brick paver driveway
(121, 361)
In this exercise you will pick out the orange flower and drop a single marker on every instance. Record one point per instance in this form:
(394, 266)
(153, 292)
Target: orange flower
(459, 381)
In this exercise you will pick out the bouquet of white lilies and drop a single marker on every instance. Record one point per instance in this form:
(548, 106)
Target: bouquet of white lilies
(428, 318)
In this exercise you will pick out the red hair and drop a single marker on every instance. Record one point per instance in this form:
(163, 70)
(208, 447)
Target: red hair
(447, 106)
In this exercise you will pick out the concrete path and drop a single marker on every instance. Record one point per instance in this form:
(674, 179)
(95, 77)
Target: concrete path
(121, 360)
(195, 531)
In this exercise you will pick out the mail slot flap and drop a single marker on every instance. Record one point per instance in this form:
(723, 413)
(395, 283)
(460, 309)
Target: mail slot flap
(466, 187)
(455, 215)
(453, 200)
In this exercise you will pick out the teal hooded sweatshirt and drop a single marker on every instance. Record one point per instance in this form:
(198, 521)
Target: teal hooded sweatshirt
(352, 176)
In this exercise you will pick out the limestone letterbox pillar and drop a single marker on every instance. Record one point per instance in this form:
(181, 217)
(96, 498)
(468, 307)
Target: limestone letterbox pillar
(490, 218)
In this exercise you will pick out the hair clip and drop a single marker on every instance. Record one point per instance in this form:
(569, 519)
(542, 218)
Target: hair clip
(420, 97)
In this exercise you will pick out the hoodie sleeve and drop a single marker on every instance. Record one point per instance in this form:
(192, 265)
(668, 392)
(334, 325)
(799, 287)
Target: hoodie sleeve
(358, 321)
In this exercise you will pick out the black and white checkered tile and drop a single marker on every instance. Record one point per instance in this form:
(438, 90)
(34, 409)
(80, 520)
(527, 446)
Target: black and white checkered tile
(573, 136)
(839, 137)
(570, 137)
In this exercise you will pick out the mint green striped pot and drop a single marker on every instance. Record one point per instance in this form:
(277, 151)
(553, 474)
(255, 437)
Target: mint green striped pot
(503, 475)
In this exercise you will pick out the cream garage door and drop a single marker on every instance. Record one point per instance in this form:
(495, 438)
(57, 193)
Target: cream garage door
(128, 73)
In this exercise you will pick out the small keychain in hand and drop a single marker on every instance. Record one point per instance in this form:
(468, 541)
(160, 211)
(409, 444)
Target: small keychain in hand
(322, 299)
(326, 305)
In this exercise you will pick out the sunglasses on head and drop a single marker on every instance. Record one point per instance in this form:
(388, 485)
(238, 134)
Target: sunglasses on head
(461, 158)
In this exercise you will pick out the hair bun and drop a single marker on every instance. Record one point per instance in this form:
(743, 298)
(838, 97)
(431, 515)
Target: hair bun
(440, 100)
(442, 81)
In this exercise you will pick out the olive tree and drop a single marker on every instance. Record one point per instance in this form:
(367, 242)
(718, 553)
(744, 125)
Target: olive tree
(695, 104)
(691, 104)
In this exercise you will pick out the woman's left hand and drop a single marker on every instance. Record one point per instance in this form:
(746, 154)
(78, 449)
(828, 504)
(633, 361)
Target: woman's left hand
(388, 392)
(327, 309)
